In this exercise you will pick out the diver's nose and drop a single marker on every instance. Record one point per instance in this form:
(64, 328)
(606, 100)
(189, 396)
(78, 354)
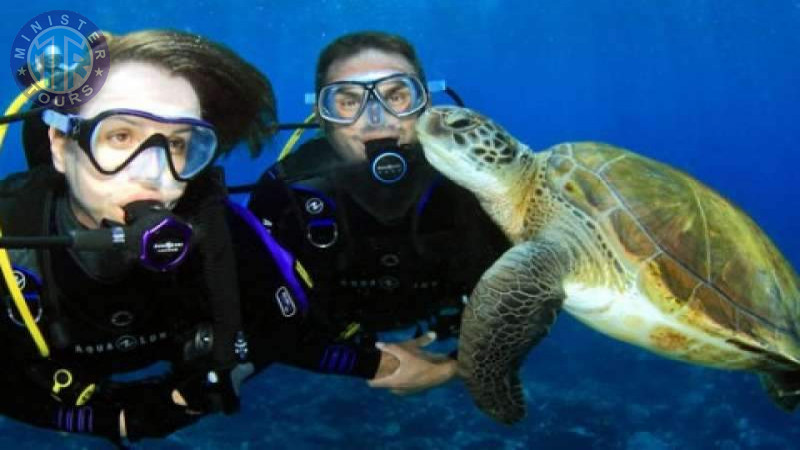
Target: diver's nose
(148, 165)
(375, 113)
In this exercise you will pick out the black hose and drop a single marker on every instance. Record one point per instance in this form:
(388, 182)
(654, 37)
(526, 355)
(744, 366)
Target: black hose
(294, 126)
(22, 115)
(456, 98)
(35, 241)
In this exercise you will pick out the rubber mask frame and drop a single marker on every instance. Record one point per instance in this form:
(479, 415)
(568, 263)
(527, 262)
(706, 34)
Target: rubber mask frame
(370, 91)
(82, 131)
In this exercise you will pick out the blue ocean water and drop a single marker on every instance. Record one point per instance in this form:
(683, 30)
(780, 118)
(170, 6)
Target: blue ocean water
(710, 86)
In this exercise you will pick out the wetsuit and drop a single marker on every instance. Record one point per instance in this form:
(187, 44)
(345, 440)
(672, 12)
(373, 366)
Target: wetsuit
(103, 322)
(383, 257)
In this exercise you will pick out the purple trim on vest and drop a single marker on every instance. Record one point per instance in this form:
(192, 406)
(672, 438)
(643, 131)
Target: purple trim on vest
(427, 195)
(283, 258)
(75, 420)
(90, 419)
(337, 359)
(327, 221)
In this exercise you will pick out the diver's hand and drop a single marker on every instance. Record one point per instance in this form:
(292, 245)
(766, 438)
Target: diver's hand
(387, 366)
(178, 399)
(160, 421)
(417, 370)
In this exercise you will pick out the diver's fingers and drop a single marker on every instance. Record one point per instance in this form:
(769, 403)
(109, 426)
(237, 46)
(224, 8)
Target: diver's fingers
(393, 349)
(395, 378)
(426, 339)
(388, 381)
(178, 399)
(403, 350)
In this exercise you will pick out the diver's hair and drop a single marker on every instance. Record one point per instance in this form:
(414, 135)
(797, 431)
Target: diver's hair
(351, 44)
(235, 97)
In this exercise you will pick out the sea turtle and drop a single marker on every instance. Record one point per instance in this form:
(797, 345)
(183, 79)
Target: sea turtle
(631, 247)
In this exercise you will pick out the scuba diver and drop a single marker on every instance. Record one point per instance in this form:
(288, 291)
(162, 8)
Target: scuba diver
(123, 251)
(391, 243)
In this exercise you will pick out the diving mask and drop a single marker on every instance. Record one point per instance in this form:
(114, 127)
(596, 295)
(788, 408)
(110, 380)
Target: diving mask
(114, 138)
(344, 101)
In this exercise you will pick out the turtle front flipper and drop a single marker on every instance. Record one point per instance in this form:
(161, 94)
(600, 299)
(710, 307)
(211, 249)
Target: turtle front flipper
(510, 311)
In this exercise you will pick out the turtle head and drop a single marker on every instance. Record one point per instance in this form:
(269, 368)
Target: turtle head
(470, 149)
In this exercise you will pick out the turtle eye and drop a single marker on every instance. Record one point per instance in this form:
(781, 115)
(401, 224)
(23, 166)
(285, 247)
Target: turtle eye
(460, 123)
(458, 120)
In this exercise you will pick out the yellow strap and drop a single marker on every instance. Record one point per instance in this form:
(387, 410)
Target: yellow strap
(303, 274)
(293, 138)
(86, 395)
(350, 330)
(19, 301)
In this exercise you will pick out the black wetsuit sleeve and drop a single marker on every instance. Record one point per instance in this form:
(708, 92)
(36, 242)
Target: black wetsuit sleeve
(314, 351)
(26, 381)
(279, 310)
(26, 397)
(31, 403)
(149, 409)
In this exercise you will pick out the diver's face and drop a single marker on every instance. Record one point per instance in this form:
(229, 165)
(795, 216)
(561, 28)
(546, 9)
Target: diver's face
(130, 85)
(375, 122)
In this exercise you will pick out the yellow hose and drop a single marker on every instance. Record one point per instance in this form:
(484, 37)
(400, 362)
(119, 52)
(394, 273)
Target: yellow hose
(5, 261)
(19, 301)
(293, 138)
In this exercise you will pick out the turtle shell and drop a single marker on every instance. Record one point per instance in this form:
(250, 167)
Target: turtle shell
(695, 254)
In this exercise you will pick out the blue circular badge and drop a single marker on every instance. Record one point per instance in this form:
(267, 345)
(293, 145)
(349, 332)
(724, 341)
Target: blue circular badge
(31, 287)
(60, 59)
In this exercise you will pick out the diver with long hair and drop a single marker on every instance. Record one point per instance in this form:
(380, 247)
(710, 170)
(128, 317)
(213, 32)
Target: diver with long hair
(124, 251)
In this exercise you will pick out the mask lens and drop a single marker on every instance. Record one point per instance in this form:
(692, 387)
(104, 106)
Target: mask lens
(401, 95)
(198, 152)
(117, 140)
(343, 101)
